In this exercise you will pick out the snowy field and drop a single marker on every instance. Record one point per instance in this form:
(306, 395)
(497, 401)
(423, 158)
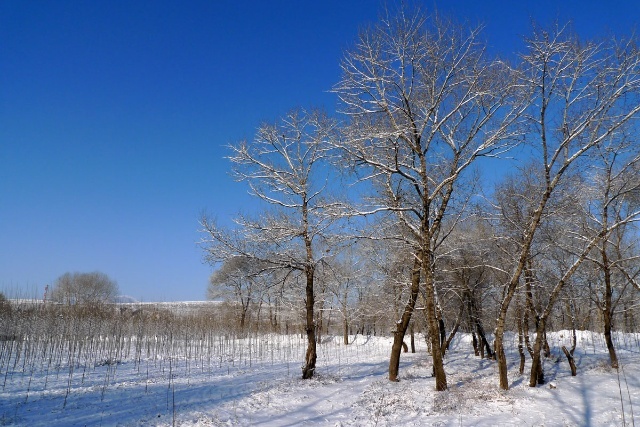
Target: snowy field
(256, 382)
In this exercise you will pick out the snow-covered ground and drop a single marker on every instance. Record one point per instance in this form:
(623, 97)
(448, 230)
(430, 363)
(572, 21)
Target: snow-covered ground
(257, 382)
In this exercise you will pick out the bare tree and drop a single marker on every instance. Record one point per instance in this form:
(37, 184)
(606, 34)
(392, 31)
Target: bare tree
(286, 167)
(84, 288)
(241, 280)
(515, 203)
(469, 268)
(423, 103)
(581, 95)
(615, 187)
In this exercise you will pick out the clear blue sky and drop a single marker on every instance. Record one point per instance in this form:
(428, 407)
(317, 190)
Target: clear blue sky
(114, 116)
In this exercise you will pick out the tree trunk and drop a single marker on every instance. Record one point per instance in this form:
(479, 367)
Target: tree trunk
(513, 284)
(520, 335)
(318, 324)
(471, 321)
(608, 306)
(476, 350)
(572, 363)
(443, 332)
(545, 344)
(403, 323)
(243, 315)
(456, 326)
(613, 357)
(569, 353)
(310, 360)
(413, 340)
(484, 344)
(345, 331)
(530, 309)
(525, 332)
(501, 357)
(345, 336)
(434, 327)
(537, 370)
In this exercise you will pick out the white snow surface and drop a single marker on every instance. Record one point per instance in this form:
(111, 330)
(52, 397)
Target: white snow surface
(256, 381)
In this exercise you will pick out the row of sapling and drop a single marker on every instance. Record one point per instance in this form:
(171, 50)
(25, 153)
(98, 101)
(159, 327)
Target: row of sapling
(259, 300)
(49, 343)
(420, 102)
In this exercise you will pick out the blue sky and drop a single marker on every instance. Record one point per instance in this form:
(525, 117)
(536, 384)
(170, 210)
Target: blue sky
(114, 117)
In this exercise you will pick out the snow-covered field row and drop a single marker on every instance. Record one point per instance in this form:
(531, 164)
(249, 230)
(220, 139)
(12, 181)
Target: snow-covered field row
(256, 381)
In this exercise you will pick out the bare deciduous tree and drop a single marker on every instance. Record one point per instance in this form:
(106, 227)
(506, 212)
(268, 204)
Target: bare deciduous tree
(423, 103)
(239, 279)
(615, 186)
(581, 95)
(286, 167)
(84, 288)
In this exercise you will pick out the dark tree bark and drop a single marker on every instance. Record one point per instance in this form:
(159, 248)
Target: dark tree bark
(413, 339)
(456, 326)
(433, 325)
(569, 353)
(571, 361)
(476, 350)
(345, 331)
(310, 359)
(607, 310)
(519, 321)
(443, 332)
(481, 345)
(537, 370)
(403, 323)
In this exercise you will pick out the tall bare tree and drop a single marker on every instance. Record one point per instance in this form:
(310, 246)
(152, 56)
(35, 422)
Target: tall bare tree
(615, 187)
(423, 103)
(581, 95)
(286, 168)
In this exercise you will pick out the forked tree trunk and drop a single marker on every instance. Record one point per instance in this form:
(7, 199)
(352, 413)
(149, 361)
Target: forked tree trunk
(569, 353)
(511, 289)
(480, 343)
(310, 360)
(537, 370)
(403, 323)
